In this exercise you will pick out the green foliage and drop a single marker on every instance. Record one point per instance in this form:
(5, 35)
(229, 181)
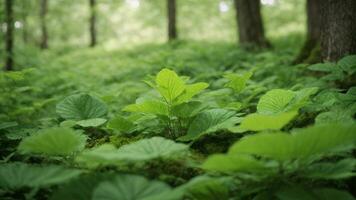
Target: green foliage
(140, 151)
(20, 175)
(81, 107)
(260, 122)
(129, 187)
(237, 82)
(121, 125)
(209, 121)
(53, 142)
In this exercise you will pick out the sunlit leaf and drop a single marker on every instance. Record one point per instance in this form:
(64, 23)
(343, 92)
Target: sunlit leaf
(53, 141)
(259, 122)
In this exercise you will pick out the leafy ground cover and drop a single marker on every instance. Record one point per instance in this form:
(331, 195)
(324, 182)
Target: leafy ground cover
(185, 120)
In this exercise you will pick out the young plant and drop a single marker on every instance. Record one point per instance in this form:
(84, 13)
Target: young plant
(174, 106)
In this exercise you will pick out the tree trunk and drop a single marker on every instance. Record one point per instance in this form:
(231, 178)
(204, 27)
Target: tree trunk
(172, 29)
(314, 23)
(92, 21)
(250, 24)
(9, 35)
(338, 37)
(43, 15)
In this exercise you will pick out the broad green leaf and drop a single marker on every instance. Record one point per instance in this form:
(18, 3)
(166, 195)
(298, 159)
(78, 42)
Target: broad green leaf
(295, 193)
(209, 121)
(152, 148)
(5, 125)
(19, 175)
(303, 144)
(301, 98)
(323, 67)
(347, 63)
(332, 194)
(128, 187)
(95, 122)
(275, 101)
(121, 125)
(188, 109)
(169, 85)
(229, 163)
(53, 141)
(274, 145)
(331, 170)
(336, 116)
(190, 91)
(206, 188)
(80, 188)
(149, 107)
(237, 82)
(80, 107)
(260, 122)
(105, 154)
(142, 150)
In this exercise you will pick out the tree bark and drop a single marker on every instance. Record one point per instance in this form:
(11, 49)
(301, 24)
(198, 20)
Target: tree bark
(250, 24)
(43, 16)
(314, 23)
(338, 37)
(9, 35)
(92, 22)
(171, 12)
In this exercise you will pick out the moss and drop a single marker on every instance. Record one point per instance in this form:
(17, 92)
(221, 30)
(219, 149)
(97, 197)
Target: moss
(217, 143)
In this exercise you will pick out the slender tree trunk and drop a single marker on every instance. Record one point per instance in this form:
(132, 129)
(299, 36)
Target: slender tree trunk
(250, 24)
(171, 12)
(9, 35)
(43, 16)
(314, 23)
(338, 37)
(92, 21)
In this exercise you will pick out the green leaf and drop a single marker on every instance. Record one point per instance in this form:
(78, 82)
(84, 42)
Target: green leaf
(129, 187)
(260, 122)
(188, 109)
(80, 107)
(156, 147)
(323, 67)
(149, 107)
(295, 193)
(331, 170)
(333, 194)
(275, 101)
(121, 125)
(303, 144)
(209, 121)
(347, 63)
(19, 175)
(169, 85)
(80, 188)
(207, 188)
(142, 150)
(53, 141)
(95, 122)
(190, 91)
(236, 163)
(237, 82)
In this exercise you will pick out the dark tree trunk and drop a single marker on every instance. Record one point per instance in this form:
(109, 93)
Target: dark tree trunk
(43, 16)
(338, 37)
(9, 35)
(314, 23)
(171, 12)
(92, 22)
(250, 24)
